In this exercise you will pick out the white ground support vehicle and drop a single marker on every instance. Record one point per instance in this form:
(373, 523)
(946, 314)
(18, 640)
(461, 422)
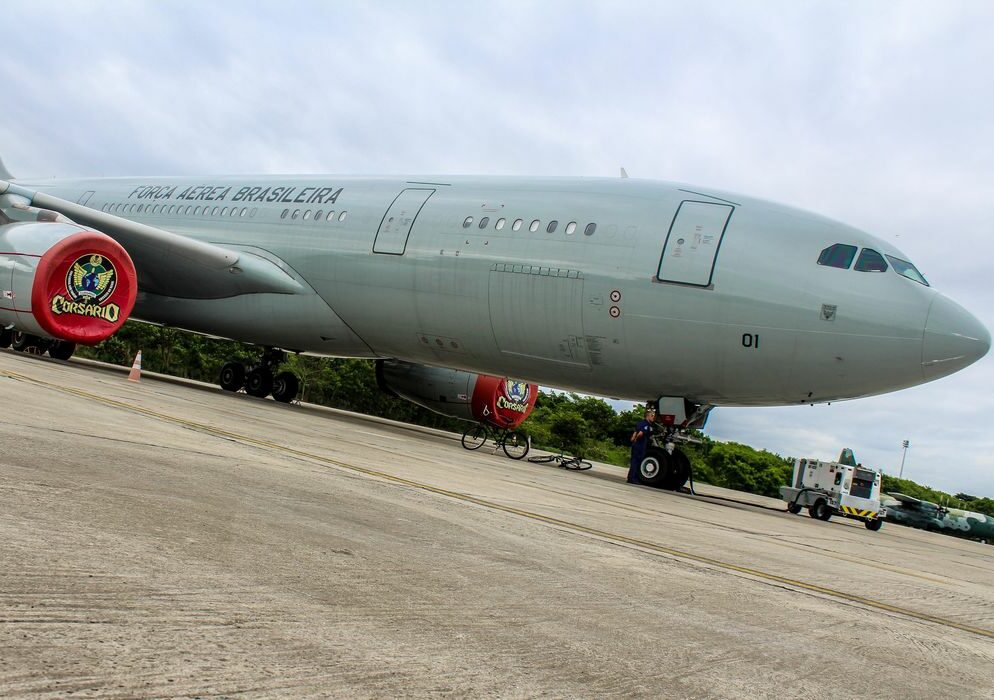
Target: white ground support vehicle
(834, 488)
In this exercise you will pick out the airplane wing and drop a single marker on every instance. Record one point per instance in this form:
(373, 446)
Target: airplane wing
(906, 500)
(167, 263)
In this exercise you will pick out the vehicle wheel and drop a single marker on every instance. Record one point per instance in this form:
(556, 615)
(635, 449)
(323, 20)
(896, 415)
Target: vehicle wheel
(61, 350)
(874, 525)
(679, 471)
(285, 387)
(516, 444)
(259, 382)
(5, 337)
(820, 510)
(22, 341)
(474, 437)
(232, 376)
(792, 507)
(655, 468)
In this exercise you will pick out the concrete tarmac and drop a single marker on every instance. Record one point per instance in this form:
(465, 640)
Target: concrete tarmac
(164, 539)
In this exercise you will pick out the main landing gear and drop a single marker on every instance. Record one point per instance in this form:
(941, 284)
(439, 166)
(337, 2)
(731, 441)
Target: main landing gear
(262, 380)
(33, 345)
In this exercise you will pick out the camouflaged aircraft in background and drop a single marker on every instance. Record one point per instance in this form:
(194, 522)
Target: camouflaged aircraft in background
(925, 515)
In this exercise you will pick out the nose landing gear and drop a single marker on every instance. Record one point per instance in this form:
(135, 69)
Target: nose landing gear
(259, 380)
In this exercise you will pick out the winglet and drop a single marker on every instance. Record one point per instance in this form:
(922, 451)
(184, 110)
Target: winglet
(4, 173)
(624, 173)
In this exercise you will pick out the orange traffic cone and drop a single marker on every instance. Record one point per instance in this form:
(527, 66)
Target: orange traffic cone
(135, 374)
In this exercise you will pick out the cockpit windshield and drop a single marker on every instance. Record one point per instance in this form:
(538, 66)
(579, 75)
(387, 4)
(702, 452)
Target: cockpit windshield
(906, 269)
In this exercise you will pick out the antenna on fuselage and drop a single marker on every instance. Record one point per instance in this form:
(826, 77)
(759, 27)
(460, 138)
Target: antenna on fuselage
(4, 173)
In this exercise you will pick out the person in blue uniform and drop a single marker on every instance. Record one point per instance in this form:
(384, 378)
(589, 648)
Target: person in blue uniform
(640, 441)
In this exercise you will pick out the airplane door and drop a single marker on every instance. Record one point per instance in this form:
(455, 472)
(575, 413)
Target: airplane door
(692, 243)
(391, 237)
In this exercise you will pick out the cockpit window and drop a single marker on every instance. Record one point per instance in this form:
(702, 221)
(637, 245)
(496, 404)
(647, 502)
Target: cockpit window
(906, 269)
(870, 261)
(838, 255)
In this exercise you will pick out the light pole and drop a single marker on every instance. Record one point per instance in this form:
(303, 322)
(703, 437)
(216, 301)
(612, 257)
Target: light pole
(905, 445)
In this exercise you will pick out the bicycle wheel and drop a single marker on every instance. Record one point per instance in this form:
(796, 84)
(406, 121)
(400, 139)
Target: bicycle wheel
(576, 464)
(543, 459)
(515, 444)
(474, 437)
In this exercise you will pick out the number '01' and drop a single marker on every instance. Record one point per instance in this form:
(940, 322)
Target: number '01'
(750, 340)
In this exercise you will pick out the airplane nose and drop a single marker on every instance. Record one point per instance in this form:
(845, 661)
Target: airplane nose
(953, 339)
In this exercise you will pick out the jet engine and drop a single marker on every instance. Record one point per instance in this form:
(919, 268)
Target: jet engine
(465, 395)
(59, 280)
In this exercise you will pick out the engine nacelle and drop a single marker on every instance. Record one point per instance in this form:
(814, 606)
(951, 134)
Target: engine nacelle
(59, 280)
(499, 401)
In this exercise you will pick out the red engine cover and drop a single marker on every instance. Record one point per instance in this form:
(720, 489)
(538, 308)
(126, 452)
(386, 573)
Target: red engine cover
(84, 288)
(503, 402)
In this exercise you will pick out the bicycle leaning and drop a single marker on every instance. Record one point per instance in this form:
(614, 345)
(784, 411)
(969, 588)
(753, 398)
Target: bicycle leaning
(514, 442)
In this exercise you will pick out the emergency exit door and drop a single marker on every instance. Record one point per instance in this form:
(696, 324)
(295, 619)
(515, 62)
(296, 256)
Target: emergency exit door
(692, 243)
(391, 237)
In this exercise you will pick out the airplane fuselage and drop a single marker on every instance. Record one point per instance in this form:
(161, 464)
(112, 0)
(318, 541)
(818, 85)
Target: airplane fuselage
(640, 289)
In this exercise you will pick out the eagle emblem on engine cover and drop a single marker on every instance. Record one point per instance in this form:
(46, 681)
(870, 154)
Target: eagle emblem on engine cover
(90, 279)
(516, 391)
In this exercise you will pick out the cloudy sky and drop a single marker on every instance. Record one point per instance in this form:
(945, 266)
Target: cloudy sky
(874, 113)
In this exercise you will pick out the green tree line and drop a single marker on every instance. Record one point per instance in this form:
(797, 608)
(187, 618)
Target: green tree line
(580, 425)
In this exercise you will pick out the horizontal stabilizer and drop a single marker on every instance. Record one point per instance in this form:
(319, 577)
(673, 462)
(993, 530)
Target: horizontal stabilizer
(169, 264)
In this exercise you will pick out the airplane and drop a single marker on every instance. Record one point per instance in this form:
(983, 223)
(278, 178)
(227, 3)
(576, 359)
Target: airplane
(683, 297)
(925, 515)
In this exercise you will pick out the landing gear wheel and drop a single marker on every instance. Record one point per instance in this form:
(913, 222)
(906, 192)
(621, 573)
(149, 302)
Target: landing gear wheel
(873, 525)
(232, 376)
(285, 387)
(656, 467)
(793, 508)
(259, 382)
(474, 437)
(21, 341)
(61, 350)
(5, 337)
(820, 510)
(679, 471)
(515, 444)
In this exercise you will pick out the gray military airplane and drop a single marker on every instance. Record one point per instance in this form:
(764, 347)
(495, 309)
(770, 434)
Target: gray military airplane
(682, 296)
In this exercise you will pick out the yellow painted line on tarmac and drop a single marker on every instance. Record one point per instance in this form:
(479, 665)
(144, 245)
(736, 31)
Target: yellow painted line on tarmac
(549, 520)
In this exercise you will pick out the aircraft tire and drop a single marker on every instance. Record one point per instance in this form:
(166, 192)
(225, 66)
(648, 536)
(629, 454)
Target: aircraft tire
(259, 382)
(61, 350)
(21, 341)
(232, 376)
(5, 337)
(655, 468)
(874, 525)
(285, 387)
(679, 471)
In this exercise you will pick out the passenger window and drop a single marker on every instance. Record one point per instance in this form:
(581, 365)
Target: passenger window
(307, 215)
(285, 213)
(317, 215)
(341, 217)
(467, 222)
(244, 211)
(839, 255)
(570, 228)
(516, 226)
(500, 223)
(295, 214)
(870, 261)
(331, 215)
(534, 226)
(255, 210)
(906, 269)
(224, 211)
(484, 221)
(551, 228)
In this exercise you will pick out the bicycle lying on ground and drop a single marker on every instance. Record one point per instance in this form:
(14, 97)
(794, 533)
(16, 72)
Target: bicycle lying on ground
(562, 460)
(514, 442)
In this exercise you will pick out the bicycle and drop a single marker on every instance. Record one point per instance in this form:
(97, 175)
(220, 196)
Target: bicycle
(514, 442)
(564, 461)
